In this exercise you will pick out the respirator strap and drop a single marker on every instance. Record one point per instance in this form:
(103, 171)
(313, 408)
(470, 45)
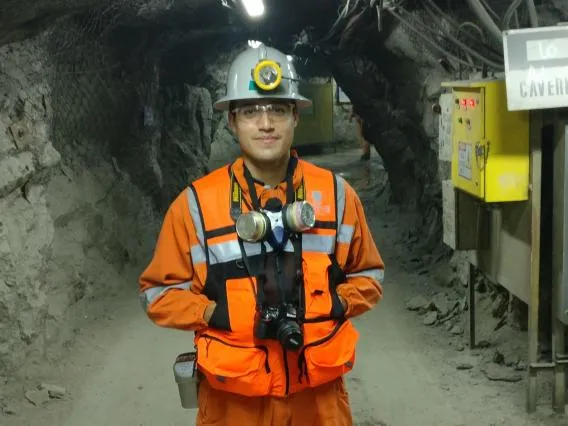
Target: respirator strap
(260, 277)
(236, 210)
(296, 240)
(252, 190)
(236, 197)
(301, 308)
(260, 274)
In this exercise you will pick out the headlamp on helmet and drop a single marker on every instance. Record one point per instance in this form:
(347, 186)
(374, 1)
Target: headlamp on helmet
(267, 75)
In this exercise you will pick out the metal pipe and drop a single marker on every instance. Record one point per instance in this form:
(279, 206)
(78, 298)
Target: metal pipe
(486, 19)
(541, 365)
(471, 303)
(533, 15)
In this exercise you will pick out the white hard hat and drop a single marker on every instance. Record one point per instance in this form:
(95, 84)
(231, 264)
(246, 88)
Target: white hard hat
(262, 73)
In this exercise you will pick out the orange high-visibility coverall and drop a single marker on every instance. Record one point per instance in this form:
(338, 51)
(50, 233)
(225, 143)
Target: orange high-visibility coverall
(173, 289)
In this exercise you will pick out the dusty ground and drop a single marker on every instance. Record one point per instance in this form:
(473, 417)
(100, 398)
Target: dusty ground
(408, 374)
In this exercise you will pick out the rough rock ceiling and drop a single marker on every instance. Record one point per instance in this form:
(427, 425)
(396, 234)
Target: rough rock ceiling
(20, 19)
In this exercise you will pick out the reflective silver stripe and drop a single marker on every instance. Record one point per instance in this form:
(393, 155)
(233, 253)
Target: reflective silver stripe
(377, 274)
(318, 243)
(197, 254)
(342, 237)
(194, 212)
(152, 294)
(340, 199)
(345, 234)
(230, 250)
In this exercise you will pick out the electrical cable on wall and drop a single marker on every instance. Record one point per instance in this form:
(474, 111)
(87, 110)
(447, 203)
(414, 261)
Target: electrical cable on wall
(441, 15)
(430, 42)
(475, 27)
(511, 10)
(533, 14)
(429, 30)
(463, 46)
(486, 19)
(487, 6)
(342, 15)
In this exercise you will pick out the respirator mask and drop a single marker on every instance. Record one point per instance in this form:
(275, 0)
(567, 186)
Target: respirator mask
(275, 223)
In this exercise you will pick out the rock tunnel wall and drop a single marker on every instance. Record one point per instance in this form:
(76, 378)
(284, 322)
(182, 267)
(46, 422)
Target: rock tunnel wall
(72, 223)
(93, 147)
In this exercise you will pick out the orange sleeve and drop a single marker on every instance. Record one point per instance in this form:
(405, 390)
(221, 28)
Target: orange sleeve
(364, 266)
(170, 289)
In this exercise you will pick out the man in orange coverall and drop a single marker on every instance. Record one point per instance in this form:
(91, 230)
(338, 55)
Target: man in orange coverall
(266, 260)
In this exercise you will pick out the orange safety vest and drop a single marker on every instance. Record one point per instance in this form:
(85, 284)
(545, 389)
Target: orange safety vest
(229, 354)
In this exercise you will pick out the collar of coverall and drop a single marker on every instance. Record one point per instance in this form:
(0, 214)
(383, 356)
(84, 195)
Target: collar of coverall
(238, 168)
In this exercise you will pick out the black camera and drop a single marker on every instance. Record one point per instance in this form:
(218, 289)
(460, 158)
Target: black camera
(280, 323)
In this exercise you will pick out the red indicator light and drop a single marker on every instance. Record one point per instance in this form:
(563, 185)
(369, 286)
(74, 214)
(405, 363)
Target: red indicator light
(472, 102)
(464, 102)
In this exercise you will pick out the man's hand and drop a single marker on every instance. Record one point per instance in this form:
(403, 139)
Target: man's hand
(209, 312)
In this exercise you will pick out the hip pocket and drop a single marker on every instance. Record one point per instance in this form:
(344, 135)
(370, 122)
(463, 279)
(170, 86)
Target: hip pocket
(234, 368)
(330, 357)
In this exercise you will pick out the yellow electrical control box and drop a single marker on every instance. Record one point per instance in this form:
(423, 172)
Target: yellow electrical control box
(490, 152)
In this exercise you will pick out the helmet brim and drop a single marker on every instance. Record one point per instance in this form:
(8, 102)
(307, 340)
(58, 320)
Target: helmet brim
(223, 103)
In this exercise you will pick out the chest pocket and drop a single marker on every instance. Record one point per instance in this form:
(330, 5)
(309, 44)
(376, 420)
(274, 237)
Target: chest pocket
(322, 274)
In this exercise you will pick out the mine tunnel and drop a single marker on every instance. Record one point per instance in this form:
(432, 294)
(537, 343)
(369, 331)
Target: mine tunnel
(107, 116)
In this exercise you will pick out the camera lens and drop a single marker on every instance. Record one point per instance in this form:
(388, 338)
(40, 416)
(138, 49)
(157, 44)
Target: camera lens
(290, 335)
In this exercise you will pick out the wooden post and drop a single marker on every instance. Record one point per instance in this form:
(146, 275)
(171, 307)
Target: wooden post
(535, 197)
(560, 260)
(471, 306)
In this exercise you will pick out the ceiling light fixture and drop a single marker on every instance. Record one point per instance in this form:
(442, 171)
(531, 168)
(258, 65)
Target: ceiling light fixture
(254, 8)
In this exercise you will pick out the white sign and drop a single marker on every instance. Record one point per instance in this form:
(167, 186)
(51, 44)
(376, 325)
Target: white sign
(536, 67)
(464, 160)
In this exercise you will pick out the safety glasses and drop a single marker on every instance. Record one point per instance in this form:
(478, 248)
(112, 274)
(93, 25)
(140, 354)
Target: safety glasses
(276, 112)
